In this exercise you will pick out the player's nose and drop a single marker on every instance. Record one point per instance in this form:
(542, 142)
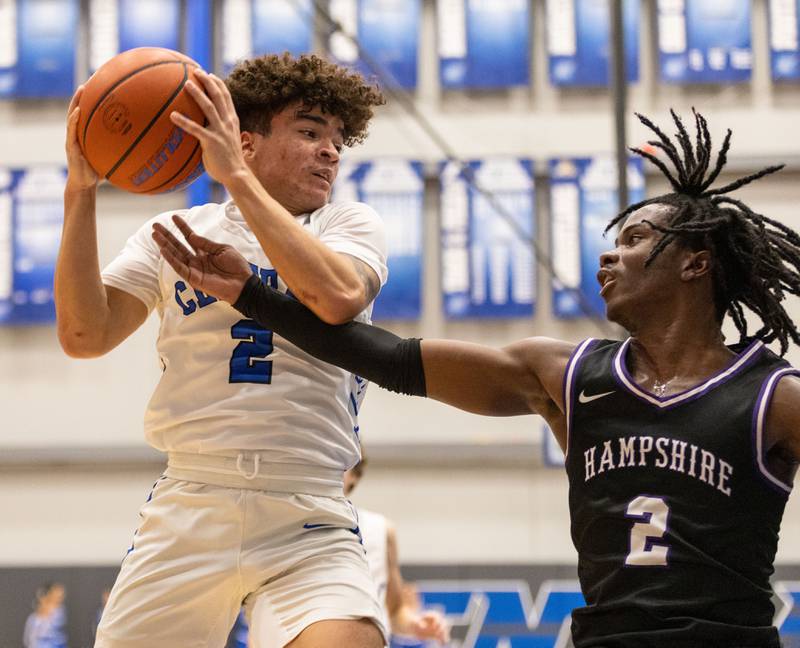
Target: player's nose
(608, 258)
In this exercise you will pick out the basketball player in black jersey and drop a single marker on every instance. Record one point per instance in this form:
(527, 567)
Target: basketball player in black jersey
(680, 450)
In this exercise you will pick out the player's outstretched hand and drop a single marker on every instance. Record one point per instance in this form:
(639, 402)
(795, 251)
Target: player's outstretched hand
(219, 136)
(215, 268)
(431, 625)
(80, 174)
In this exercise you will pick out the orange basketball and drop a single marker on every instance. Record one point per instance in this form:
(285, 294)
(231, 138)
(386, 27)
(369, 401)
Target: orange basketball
(124, 128)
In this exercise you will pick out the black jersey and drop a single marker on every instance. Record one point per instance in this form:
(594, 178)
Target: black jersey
(674, 514)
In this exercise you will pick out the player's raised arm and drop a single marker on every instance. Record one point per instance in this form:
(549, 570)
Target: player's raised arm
(523, 378)
(335, 284)
(92, 318)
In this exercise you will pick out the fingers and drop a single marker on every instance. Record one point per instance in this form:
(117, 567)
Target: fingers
(73, 113)
(170, 254)
(183, 226)
(435, 626)
(226, 95)
(192, 127)
(72, 126)
(193, 238)
(205, 100)
(75, 100)
(218, 92)
(213, 104)
(178, 248)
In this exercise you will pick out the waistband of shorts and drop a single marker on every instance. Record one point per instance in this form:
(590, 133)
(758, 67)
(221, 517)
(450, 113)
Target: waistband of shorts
(247, 470)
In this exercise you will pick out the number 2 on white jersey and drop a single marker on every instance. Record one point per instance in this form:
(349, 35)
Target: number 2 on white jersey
(247, 361)
(653, 514)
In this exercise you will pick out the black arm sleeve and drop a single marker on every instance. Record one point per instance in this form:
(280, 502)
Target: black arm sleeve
(368, 351)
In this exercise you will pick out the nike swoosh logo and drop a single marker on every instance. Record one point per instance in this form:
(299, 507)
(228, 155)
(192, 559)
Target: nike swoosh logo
(583, 398)
(354, 530)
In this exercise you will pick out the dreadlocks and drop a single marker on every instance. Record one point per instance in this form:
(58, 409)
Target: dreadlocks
(756, 259)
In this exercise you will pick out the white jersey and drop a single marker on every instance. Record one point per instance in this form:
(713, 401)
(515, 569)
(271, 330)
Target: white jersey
(228, 385)
(374, 529)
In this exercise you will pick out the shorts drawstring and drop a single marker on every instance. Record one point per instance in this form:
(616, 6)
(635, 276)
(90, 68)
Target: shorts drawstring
(256, 462)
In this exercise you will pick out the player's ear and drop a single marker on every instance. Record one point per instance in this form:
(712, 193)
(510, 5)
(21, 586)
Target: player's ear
(696, 265)
(248, 144)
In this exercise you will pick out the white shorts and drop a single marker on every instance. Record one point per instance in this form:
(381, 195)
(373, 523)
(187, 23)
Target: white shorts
(209, 542)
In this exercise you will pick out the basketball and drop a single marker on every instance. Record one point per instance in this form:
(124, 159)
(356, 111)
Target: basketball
(124, 127)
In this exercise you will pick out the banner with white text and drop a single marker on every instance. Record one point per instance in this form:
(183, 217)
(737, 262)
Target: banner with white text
(704, 41)
(483, 44)
(583, 199)
(578, 41)
(488, 267)
(388, 31)
(256, 27)
(784, 27)
(119, 25)
(394, 188)
(38, 41)
(31, 216)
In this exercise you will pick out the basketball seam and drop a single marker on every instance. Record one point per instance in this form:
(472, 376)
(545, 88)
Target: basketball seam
(116, 85)
(179, 171)
(150, 125)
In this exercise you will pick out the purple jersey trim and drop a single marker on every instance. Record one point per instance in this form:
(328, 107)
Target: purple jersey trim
(569, 383)
(759, 421)
(745, 358)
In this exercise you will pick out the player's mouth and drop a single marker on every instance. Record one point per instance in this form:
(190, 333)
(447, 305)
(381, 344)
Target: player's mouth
(324, 174)
(606, 281)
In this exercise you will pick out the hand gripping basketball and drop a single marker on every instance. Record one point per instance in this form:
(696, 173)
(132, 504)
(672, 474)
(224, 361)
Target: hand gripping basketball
(219, 137)
(123, 128)
(80, 174)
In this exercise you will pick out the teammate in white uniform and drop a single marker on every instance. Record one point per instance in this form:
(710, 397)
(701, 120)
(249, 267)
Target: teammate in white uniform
(380, 543)
(258, 434)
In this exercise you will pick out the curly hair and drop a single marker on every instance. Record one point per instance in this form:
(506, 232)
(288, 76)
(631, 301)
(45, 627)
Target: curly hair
(757, 259)
(261, 87)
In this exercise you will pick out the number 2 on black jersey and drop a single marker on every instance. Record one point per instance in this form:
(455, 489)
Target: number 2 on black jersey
(247, 363)
(646, 548)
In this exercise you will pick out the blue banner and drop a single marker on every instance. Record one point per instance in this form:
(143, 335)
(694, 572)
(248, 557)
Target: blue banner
(255, 27)
(483, 44)
(6, 244)
(282, 25)
(578, 41)
(394, 188)
(488, 267)
(37, 208)
(149, 23)
(119, 25)
(583, 199)
(198, 28)
(784, 27)
(46, 39)
(388, 31)
(8, 48)
(704, 41)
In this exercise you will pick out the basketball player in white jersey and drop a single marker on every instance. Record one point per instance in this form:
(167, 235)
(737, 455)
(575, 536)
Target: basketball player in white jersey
(250, 508)
(380, 543)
